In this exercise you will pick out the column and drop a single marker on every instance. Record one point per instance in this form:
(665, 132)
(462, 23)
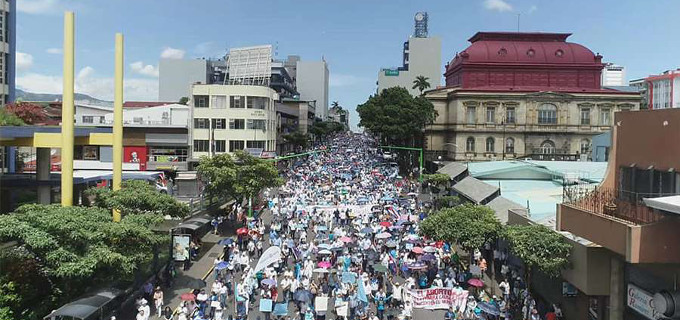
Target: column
(616, 289)
(42, 175)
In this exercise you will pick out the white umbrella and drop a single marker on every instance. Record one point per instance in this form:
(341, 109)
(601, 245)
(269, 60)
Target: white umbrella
(325, 251)
(383, 235)
(320, 270)
(430, 249)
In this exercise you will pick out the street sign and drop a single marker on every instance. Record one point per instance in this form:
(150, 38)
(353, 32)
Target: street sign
(391, 73)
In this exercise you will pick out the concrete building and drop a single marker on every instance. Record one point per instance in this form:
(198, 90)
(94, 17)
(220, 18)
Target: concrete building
(421, 56)
(226, 118)
(339, 115)
(522, 95)
(175, 77)
(641, 86)
(8, 23)
(633, 217)
(664, 90)
(312, 83)
(613, 75)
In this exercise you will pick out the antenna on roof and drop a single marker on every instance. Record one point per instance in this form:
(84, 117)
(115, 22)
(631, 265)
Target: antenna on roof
(276, 50)
(518, 15)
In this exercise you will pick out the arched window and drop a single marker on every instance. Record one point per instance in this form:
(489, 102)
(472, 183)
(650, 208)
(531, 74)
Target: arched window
(585, 146)
(547, 114)
(470, 144)
(547, 147)
(490, 144)
(509, 145)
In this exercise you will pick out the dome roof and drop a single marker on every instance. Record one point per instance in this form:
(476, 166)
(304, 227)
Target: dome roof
(511, 48)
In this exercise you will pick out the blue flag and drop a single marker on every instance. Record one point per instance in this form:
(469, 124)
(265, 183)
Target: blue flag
(361, 291)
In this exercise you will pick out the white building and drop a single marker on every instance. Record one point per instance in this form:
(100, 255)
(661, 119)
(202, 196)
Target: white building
(663, 90)
(176, 76)
(422, 56)
(226, 118)
(613, 75)
(166, 115)
(312, 83)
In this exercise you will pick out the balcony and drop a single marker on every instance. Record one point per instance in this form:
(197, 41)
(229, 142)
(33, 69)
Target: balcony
(619, 221)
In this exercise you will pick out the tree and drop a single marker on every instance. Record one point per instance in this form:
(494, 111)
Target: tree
(297, 139)
(436, 179)
(74, 248)
(336, 105)
(421, 83)
(471, 226)
(9, 119)
(183, 100)
(446, 202)
(29, 113)
(240, 176)
(540, 249)
(396, 115)
(137, 197)
(323, 129)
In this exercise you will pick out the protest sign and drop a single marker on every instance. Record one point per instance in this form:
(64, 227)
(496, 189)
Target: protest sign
(439, 298)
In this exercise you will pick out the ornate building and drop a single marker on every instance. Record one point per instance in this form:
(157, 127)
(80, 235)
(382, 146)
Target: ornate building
(522, 95)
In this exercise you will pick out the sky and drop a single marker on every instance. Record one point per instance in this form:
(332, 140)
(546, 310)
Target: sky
(355, 37)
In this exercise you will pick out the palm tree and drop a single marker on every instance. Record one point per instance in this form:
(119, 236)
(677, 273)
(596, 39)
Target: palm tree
(421, 83)
(335, 105)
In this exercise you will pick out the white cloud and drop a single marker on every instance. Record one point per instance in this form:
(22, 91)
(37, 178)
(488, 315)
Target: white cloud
(532, 9)
(37, 6)
(89, 83)
(172, 53)
(345, 80)
(24, 60)
(497, 5)
(147, 70)
(54, 51)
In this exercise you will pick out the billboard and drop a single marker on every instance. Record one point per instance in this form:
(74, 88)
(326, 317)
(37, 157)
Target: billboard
(250, 65)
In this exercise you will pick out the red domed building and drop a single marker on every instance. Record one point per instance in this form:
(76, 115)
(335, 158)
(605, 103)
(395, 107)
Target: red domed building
(511, 95)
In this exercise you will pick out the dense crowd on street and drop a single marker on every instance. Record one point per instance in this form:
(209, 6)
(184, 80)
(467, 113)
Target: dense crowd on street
(341, 242)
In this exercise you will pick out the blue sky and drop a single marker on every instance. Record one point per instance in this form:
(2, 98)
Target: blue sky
(356, 37)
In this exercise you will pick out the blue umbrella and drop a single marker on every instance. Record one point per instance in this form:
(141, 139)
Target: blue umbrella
(386, 199)
(302, 296)
(222, 265)
(321, 228)
(325, 246)
(489, 308)
(428, 257)
(367, 230)
(225, 241)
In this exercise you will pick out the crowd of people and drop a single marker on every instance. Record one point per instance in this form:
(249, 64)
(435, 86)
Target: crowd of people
(345, 232)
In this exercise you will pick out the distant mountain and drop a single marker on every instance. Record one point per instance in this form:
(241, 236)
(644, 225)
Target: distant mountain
(46, 97)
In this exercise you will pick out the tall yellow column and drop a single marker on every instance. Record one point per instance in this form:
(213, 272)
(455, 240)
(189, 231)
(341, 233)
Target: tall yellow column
(67, 110)
(118, 120)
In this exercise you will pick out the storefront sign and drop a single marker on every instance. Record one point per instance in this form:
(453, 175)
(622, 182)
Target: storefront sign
(391, 73)
(439, 298)
(258, 113)
(641, 301)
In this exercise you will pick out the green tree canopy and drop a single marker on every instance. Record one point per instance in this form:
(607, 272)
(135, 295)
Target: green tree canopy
(447, 202)
(470, 226)
(421, 83)
(539, 248)
(9, 119)
(323, 129)
(239, 176)
(436, 178)
(396, 115)
(183, 100)
(297, 139)
(138, 197)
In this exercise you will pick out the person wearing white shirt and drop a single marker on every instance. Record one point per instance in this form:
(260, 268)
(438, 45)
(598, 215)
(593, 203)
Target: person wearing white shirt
(437, 282)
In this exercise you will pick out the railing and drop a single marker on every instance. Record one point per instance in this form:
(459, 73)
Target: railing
(621, 204)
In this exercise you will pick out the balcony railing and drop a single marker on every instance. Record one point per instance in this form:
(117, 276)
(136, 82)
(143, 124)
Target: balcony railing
(620, 204)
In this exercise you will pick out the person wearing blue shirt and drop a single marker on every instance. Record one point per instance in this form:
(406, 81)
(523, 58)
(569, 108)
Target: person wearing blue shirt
(450, 315)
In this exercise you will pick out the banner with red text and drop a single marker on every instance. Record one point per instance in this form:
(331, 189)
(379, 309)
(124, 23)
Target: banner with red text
(439, 298)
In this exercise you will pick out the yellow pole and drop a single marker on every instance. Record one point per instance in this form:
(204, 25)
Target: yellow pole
(67, 110)
(118, 121)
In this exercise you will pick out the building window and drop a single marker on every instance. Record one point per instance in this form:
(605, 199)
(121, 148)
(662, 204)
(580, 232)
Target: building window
(138, 120)
(470, 144)
(235, 145)
(471, 115)
(509, 145)
(585, 146)
(220, 123)
(510, 115)
(490, 115)
(256, 144)
(201, 145)
(218, 102)
(490, 144)
(254, 124)
(257, 103)
(547, 147)
(237, 102)
(237, 124)
(585, 116)
(605, 116)
(201, 123)
(547, 114)
(220, 145)
(200, 101)
(88, 119)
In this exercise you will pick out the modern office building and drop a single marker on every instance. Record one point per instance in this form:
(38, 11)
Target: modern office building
(613, 75)
(8, 22)
(633, 217)
(421, 56)
(312, 83)
(226, 118)
(641, 86)
(175, 77)
(522, 95)
(664, 90)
